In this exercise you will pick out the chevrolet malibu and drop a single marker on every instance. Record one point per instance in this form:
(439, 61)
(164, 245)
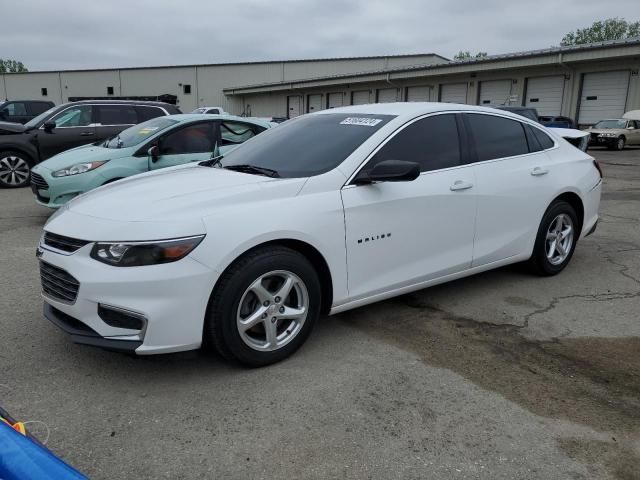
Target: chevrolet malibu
(327, 212)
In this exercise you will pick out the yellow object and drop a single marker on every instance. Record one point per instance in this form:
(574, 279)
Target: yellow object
(18, 426)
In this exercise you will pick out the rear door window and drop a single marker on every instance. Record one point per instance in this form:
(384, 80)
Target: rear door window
(431, 142)
(39, 107)
(116, 115)
(496, 137)
(147, 113)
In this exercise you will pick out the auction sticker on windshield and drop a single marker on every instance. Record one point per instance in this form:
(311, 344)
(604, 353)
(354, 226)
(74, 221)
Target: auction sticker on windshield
(365, 122)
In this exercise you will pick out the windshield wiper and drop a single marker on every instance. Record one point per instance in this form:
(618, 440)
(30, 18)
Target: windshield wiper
(246, 168)
(212, 162)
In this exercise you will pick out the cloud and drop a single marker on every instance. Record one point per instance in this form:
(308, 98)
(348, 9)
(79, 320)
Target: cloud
(118, 33)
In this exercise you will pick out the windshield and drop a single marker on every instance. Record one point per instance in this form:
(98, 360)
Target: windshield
(307, 145)
(607, 124)
(36, 121)
(139, 133)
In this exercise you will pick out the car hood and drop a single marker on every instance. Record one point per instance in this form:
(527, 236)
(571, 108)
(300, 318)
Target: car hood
(616, 131)
(84, 153)
(11, 128)
(166, 203)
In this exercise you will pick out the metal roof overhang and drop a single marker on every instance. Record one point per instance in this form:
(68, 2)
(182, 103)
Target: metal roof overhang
(562, 56)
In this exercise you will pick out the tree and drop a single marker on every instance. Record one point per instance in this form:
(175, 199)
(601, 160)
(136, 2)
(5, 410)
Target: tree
(466, 55)
(12, 66)
(609, 29)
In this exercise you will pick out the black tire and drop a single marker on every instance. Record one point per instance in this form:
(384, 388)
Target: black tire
(15, 169)
(221, 330)
(539, 263)
(620, 142)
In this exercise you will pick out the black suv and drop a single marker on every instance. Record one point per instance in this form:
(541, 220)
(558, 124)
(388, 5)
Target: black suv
(21, 111)
(64, 127)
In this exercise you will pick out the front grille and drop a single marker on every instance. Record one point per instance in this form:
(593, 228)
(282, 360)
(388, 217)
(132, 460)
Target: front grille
(594, 137)
(57, 283)
(39, 182)
(66, 244)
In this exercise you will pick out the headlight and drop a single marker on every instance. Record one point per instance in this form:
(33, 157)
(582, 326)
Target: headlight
(608, 135)
(78, 168)
(137, 254)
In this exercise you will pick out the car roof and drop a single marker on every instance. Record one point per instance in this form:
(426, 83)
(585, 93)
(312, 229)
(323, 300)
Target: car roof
(414, 109)
(115, 102)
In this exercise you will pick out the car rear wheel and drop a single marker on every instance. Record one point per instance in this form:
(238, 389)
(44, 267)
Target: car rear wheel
(15, 169)
(556, 241)
(264, 307)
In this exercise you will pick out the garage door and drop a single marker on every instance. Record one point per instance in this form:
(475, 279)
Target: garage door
(495, 92)
(314, 103)
(418, 94)
(387, 95)
(545, 94)
(294, 105)
(453, 93)
(604, 95)
(335, 99)
(360, 97)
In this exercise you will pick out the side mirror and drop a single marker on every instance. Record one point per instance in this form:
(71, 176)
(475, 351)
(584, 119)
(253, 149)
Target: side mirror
(49, 126)
(390, 171)
(154, 153)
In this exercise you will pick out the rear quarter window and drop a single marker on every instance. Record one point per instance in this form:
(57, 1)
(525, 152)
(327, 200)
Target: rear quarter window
(543, 139)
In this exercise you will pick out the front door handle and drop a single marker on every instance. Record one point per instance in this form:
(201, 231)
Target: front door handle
(460, 185)
(538, 171)
(86, 134)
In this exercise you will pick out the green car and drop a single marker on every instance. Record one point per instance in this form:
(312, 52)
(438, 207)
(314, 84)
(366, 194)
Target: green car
(158, 143)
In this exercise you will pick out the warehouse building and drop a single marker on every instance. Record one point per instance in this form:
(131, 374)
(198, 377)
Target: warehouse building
(586, 82)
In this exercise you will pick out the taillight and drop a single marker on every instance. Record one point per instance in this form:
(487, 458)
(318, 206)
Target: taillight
(597, 165)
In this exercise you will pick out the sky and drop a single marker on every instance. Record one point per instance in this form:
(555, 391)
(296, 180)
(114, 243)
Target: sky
(66, 34)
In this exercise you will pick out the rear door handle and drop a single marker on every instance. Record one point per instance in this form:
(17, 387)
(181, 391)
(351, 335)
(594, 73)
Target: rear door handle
(538, 171)
(460, 185)
(86, 134)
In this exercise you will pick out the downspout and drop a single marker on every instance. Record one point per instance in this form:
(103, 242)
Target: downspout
(570, 74)
(388, 80)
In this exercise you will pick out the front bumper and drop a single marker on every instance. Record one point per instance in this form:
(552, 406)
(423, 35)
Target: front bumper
(61, 190)
(602, 141)
(171, 298)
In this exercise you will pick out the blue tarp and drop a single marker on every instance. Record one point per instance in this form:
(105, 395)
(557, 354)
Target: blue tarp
(23, 459)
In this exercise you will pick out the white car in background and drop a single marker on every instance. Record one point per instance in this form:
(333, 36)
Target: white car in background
(328, 212)
(210, 111)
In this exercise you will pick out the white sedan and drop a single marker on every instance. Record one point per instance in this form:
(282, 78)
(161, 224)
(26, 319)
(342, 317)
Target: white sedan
(328, 212)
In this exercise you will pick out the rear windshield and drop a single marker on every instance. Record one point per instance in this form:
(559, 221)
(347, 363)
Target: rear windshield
(139, 133)
(308, 145)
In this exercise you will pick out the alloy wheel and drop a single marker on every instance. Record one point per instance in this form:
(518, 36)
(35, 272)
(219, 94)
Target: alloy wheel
(272, 310)
(620, 143)
(14, 170)
(559, 240)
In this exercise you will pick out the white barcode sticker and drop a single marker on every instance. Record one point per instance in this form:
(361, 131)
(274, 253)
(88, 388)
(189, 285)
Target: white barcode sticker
(365, 122)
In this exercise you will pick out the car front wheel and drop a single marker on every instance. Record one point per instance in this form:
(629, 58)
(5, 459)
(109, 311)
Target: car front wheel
(263, 307)
(556, 241)
(14, 170)
(620, 143)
